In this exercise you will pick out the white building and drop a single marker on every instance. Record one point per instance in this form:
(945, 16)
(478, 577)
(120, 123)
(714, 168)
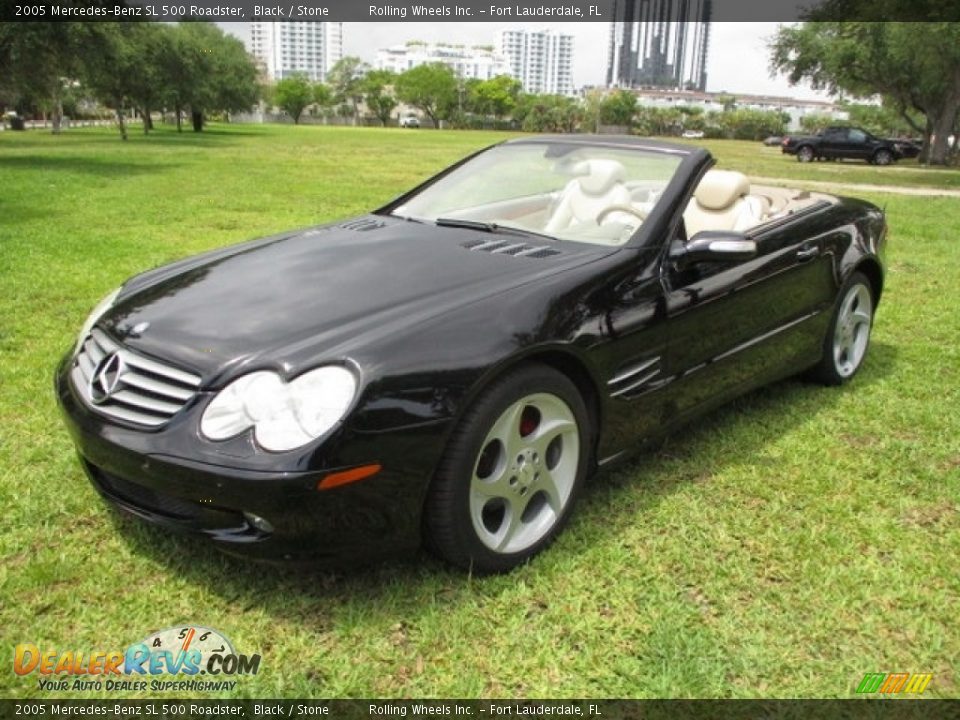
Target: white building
(290, 48)
(713, 101)
(477, 62)
(542, 60)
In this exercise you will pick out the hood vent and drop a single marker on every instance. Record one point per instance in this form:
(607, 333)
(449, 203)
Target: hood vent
(363, 225)
(505, 247)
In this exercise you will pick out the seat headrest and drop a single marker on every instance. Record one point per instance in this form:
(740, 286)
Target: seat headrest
(598, 176)
(719, 189)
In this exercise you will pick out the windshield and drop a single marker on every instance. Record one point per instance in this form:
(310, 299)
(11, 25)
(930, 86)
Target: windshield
(585, 193)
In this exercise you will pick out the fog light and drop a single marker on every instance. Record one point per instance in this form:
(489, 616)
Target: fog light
(261, 524)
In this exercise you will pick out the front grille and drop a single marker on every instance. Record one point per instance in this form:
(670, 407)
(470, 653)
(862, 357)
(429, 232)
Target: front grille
(122, 384)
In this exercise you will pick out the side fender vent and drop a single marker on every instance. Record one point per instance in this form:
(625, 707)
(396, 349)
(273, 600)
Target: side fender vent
(634, 379)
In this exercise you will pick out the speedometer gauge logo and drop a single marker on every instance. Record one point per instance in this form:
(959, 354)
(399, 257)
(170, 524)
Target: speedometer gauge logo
(188, 650)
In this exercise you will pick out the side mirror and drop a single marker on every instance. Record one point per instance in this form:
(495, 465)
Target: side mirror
(725, 246)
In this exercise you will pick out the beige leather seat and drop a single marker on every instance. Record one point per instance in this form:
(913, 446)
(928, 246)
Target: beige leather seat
(722, 202)
(600, 185)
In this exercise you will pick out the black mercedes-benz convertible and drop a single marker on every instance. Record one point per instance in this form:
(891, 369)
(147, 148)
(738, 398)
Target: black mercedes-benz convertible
(450, 368)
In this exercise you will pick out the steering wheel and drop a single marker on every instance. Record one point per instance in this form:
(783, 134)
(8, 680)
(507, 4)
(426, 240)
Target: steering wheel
(636, 212)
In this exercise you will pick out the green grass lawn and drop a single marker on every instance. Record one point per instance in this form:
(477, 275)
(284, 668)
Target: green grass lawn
(781, 547)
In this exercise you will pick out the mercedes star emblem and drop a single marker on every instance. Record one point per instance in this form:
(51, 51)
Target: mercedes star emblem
(106, 378)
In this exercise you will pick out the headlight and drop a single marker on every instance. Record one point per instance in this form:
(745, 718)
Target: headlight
(283, 415)
(95, 315)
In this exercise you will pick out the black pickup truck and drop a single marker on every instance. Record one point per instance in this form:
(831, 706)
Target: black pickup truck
(847, 142)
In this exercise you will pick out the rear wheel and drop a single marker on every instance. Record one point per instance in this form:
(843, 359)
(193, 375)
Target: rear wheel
(805, 154)
(848, 336)
(511, 473)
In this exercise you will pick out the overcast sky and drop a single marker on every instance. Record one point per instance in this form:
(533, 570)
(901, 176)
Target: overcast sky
(738, 58)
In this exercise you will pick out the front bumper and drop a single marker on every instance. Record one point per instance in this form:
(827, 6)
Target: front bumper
(367, 520)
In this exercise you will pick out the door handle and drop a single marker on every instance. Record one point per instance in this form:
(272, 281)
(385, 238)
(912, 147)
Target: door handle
(808, 252)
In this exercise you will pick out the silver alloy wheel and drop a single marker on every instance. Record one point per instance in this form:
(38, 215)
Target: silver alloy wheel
(852, 332)
(805, 154)
(524, 474)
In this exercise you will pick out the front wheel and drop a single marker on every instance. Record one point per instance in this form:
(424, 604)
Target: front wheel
(805, 154)
(848, 336)
(883, 157)
(511, 473)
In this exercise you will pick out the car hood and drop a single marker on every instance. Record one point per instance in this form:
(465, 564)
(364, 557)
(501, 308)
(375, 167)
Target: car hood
(320, 292)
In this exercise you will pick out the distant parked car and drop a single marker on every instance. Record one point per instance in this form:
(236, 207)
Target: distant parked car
(773, 140)
(11, 118)
(693, 134)
(844, 142)
(410, 121)
(908, 148)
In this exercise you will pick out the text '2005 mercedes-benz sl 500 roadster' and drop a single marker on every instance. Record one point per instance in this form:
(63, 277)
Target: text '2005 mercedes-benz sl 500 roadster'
(450, 368)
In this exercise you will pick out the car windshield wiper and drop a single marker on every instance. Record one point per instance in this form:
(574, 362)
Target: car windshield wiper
(489, 227)
(408, 218)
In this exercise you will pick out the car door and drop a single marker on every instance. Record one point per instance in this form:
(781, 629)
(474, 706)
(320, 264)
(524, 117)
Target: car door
(833, 143)
(731, 327)
(859, 145)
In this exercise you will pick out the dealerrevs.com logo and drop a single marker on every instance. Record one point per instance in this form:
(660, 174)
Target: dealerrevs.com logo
(171, 659)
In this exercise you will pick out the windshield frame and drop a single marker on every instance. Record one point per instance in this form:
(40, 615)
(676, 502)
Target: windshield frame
(661, 220)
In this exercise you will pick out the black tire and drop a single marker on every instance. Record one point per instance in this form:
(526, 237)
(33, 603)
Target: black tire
(831, 370)
(449, 529)
(805, 154)
(882, 157)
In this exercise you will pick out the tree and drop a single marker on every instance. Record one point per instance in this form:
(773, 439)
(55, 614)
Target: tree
(914, 66)
(209, 71)
(292, 95)
(747, 124)
(115, 71)
(323, 97)
(150, 43)
(882, 120)
(618, 108)
(496, 96)
(431, 88)
(181, 66)
(815, 122)
(126, 65)
(729, 102)
(651, 120)
(38, 61)
(592, 101)
(345, 79)
(378, 94)
(548, 113)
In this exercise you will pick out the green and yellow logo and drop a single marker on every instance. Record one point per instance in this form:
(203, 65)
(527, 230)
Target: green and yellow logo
(893, 683)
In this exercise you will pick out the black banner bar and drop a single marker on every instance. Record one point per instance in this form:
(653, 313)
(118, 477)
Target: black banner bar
(857, 709)
(421, 11)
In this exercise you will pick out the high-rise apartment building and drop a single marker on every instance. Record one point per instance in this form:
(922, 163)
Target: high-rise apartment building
(540, 59)
(659, 43)
(478, 62)
(290, 48)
